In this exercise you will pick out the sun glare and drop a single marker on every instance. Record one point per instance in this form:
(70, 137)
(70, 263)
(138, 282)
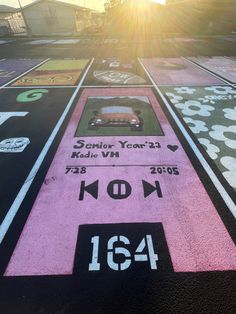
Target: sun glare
(145, 3)
(160, 1)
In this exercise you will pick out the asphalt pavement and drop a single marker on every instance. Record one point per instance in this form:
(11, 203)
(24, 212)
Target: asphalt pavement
(118, 175)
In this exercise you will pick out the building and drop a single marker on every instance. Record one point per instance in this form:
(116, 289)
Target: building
(5, 11)
(11, 21)
(52, 17)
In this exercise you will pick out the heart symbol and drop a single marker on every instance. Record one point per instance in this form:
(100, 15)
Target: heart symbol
(173, 148)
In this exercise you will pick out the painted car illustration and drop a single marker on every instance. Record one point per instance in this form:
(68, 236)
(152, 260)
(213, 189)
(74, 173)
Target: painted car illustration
(116, 116)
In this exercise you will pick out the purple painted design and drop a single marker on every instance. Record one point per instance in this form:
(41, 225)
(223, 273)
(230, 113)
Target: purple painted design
(11, 68)
(175, 71)
(196, 236)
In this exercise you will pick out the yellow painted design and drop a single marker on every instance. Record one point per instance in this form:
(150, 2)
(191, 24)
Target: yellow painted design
(55, 72)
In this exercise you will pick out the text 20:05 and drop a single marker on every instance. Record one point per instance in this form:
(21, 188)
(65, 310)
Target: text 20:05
(169, 170)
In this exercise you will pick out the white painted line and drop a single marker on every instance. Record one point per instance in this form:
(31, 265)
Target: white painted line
(2, 42)
(209, 72)
(40, 86)
(29, 180)
(192, 85)
(229, 38)
(182, 40)
(111, 41)
(66, 41)
(116, 86)
(23, 74)
(227, 199)
(61, 48)
(150, 85)
(40, 42)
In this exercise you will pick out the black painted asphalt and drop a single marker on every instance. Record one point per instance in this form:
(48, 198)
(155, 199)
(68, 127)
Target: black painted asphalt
(101, 48)
(210, 292)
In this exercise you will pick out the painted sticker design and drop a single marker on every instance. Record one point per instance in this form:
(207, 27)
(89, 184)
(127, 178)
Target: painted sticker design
(14, 145)
(24, 130)
(210, 114)
(116, 77)
(31, 95)
(54, 72)
(114, 71)
(175, 71)
(121, 180)
(4, 116)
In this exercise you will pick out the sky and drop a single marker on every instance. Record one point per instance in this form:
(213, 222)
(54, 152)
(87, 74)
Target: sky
(94, 4)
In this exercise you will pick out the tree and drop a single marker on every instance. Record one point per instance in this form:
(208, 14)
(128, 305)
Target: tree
(132, 17)
(110, 4)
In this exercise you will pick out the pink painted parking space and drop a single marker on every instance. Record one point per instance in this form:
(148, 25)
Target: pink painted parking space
(176, 71)
(75, 194)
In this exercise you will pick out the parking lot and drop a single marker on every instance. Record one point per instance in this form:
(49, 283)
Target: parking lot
(118, 175)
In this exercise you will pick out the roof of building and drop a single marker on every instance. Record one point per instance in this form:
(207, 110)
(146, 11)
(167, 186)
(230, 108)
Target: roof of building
(174, 2)
(75, 6)
(7, 9)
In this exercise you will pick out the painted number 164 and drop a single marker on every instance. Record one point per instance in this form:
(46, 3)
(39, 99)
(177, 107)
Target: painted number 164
(113, 250)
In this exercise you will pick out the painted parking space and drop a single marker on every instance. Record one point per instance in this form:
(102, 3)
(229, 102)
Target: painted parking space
(12, 68)
(224, 67)
(210, 114)
(116, 71)
(122, 180)
(27, 118)
(64, 72)
(176, 71)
